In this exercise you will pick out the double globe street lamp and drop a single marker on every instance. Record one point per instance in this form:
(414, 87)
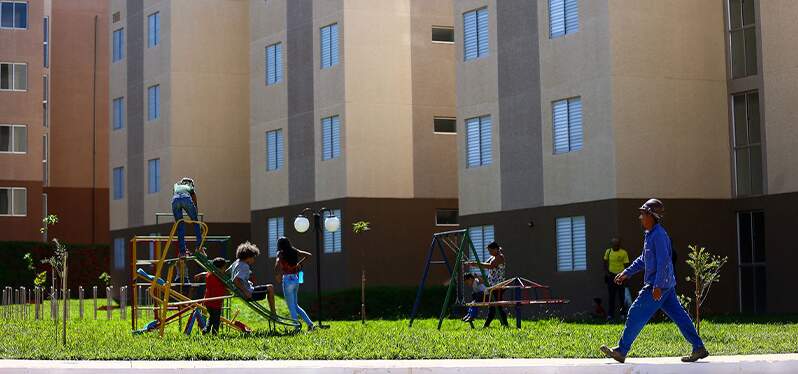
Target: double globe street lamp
(331, 224)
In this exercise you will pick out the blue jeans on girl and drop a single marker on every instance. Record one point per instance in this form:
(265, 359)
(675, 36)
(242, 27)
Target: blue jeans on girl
(290, 289)
(179, 204)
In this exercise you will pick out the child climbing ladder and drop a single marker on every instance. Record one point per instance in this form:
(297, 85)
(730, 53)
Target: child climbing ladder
(185, 199)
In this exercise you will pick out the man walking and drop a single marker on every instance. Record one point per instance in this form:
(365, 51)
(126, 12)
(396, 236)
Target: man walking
(615, 260)
(658, 291)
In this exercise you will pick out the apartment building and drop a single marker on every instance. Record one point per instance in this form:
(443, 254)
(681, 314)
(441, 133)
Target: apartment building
(53, 127)
(179, 107)
(353, 109)
(571, 113)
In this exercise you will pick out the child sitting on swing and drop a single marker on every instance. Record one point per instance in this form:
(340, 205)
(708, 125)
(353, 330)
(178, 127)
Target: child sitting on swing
(478, 292)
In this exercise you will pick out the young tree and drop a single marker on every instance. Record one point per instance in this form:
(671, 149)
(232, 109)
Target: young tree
(58, 263)
(706, 272)
(358, 228)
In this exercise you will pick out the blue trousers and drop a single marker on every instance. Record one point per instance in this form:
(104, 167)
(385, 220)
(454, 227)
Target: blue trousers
(179, 204)
(290, 289)
(644, 308)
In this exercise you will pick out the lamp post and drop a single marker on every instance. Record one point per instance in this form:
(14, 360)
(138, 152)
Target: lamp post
(331, 224)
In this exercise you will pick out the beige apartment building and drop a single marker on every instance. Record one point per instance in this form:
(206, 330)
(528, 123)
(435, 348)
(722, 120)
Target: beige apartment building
(53, 126)
(571, 113)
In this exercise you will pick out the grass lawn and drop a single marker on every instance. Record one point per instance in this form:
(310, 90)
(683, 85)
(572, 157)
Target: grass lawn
(112, 340)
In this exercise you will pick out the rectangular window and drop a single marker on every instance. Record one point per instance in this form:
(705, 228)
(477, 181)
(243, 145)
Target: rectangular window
(742, 38)
(118, 109)
(747, 149)
(45, 157)
(274, 65)
(475, 34)
(119, 45)
(276, 229)
(330, 138)
(329, 45)
(13, 139)
(153, 29)
(154, 175)
(13, 201)
(119, 253)
(563, 17)
(116, 17)
(444, 125)
(481, 236)
(567, 125)
(274, 150)
(442, 34)
(153, 102)
(13, 76)
(478, 142)
(45, 89)
(119, 183)
(571, 244)
(752, 262)
(446, 217)
(332, 240)
(14, 14)
(45, 43)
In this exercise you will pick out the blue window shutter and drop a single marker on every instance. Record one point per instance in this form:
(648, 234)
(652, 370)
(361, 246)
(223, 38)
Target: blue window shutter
(329, 242)
(150, 175)
(564, 244)
(485, 141)
(336, 137)
(267, 63)
(21, 15)
(278, 63)
(337, 235)
(470, 35)
(487, 238)
(324, 41)
(571, 16)
(575, 137)
(151, 30)
(326, 146)
(157, 101)
(334, 44)
(475, 233)
(119, 180)
(157, 28)
(560, 126)
(482, 32)
(579, 240)
(279, 149)
(7, 15)
(150, 103)
(556, 18)
(270, 146)
(473, 153)
(273, 233)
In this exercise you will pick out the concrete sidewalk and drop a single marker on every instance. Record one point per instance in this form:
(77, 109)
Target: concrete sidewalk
(785, 363)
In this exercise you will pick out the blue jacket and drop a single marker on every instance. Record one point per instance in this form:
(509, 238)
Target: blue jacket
(656, 260)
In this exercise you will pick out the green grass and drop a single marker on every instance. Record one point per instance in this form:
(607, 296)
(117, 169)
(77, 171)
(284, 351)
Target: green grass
(112, 340)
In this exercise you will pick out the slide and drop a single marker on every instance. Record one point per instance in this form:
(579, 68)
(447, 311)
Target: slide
(206, 264)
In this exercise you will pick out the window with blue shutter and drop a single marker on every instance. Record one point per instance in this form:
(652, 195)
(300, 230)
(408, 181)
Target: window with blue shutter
(475, 34)
(567, 125)
(119, 180)
(563, 17)
(118, 47)
(328, 40)
(274, 150)
(330, 138)
(479, 144)
(14, 14)
(274, 69)
(153, 175)
(119, 253)
(153, 29)
(153, 102)
(571, 244)
(275, 230)
(481, 236)
(118, 109)
(332, 240)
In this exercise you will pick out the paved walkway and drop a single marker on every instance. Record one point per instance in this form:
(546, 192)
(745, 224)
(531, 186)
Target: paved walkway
(787, 363)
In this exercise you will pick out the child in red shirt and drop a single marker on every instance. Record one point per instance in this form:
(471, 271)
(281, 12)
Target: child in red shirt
(214, 288)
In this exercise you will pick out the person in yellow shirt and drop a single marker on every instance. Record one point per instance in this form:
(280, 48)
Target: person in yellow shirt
(615, 261)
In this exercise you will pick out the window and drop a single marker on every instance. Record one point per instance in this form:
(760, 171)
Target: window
(45, 89)
(13, 76)
(329, 46)
(45, 43)
(276, 229)
(119, 253)
(443, 34)
(13, 201)
(119, 180)
(153, 102)
(563, 17)
(475, 34)
(478, 142)
(153, 29)
(118, 109)
(14, 14)
(567, 123)
(445, 125)
(274, 150)
(154, 175)
(742, 36)
(446, 217)
(116, 17)
(119, 44)
(481, 236)
(274, 65)
(747, 144)
(13, 139)
(571, 244)
(332, 240)
(330, 138)
(45, 155)
(752, 262)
